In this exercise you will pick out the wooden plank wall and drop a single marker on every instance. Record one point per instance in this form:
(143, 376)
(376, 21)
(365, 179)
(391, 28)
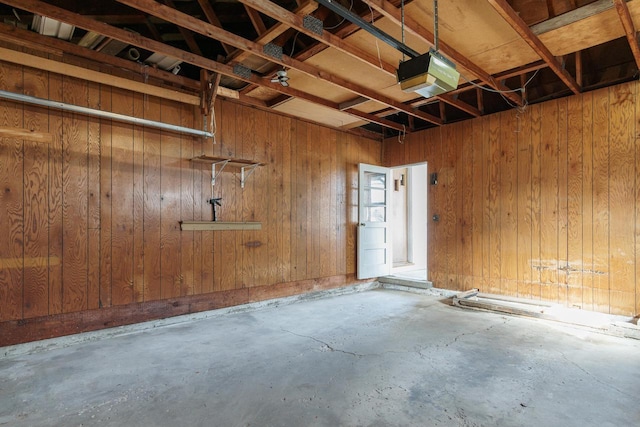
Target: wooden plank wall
(91, 221)
(543, 204)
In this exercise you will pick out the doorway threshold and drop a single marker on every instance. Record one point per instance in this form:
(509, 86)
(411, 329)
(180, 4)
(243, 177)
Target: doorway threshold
(414, 279)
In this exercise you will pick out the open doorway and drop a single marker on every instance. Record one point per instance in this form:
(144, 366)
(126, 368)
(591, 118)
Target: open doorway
(408, 221)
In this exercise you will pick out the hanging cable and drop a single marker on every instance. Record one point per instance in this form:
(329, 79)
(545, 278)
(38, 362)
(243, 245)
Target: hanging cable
(293, 45)
(520, 89)
(402, 135)
(401, 23)
(435, 24)
(341, 22)
(377, 46)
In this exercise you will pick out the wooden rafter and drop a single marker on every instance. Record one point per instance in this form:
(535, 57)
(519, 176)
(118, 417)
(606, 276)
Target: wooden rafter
(411, 25)
(213, 19)
(480, 99)
(186, 35)
(451, 100)
(278, 100)
(375, 119)
(273, 32)
(15, 35)
(153, 30)
(344, 31)
(186, 21)
(629, 28)
(256, 20)
(46, 9)
(579, 67)
(511, 17)
(294, 21)
(501, 76)
(353, 103)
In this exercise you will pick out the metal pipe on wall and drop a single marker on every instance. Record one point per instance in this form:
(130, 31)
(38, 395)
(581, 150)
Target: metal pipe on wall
(102, 114)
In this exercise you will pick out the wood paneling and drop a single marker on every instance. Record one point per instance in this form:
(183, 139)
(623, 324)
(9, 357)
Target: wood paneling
(35, 198)
(92, 217)
(554, 207)
(12, 199)
(74, 199)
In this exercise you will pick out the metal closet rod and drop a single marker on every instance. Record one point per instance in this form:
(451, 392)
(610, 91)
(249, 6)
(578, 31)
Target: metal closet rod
(102, 114)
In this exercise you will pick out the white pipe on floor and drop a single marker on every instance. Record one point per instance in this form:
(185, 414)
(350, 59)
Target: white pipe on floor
(102, 114)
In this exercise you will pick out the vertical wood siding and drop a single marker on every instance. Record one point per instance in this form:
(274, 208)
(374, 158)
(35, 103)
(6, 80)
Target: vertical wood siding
(543, 204)
(91, 221)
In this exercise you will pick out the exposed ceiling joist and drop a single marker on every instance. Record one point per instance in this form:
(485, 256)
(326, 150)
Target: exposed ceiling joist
(411, 25)
(186, 21)
(294, 21)
(572, 16)
(629, 28)
(480, 98)
(273, 32)
(579, 67)
(271, 9)
(256, 20)
(451, 100)
(512, 18)
(213, 19)
(36, 41)
(378, 120)
(187, 35)
(45, 9)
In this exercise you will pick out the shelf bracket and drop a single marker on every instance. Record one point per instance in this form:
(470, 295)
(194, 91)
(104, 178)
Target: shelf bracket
(214, 175)
(244, 175)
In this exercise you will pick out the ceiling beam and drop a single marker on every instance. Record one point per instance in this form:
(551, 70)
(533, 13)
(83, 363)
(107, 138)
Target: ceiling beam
(186, 21)
(579, 67)
(186, 34)
(511, 17)
(411, 25)
(212, 17)
(273, 32)
(443, 111)
(278, 100)
(467, 108)
(480, 99)
(629, 28)
(15, 35)
(572, 16)
(46, 9)
(378, 120)
(256, 20)
(353, 102)
(82, 73)
(295, 21)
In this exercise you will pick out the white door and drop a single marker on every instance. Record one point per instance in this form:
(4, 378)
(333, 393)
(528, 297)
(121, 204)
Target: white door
(374, 242)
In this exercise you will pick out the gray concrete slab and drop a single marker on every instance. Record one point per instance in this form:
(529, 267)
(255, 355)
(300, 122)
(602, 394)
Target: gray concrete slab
(376, 358)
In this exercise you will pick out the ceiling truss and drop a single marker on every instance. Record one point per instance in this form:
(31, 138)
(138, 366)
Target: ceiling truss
(282, 26)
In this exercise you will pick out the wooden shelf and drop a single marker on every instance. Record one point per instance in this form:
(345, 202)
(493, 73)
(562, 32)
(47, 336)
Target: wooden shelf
(219, 225)
(239, 163)
(247, 167)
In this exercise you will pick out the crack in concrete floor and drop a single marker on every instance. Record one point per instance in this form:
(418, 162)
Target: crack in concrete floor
(424, 364)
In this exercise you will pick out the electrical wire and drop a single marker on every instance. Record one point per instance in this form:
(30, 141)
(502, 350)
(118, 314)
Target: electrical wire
(377, 46)
(402, 135)
(293, 45)
(488, 89)
(402, 22)
(343, 19)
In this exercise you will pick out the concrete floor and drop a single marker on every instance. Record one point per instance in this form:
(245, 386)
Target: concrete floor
(375, 358)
